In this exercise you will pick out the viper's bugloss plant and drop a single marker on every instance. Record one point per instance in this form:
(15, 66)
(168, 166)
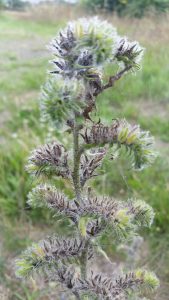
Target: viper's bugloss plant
(81, 52)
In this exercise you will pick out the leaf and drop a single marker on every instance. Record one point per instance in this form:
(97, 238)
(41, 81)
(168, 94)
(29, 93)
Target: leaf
(82, 225)
(101, 251)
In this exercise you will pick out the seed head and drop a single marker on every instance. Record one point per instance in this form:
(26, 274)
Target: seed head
(50, 159)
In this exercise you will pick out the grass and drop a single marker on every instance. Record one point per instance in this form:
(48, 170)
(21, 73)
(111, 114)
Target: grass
(140, 99)
(22, 29)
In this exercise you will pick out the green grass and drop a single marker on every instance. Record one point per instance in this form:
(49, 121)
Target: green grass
(150, 83)
(20, 82)
(23, 77)
(24, 29)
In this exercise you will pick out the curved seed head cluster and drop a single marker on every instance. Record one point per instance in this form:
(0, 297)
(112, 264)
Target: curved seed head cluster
(50, 159)
(68, 276)
(30, 261)
(52, 250)
(129, 53)
(140, 143)
(97, 35)
(83, 45)
(78, 51)
(150, 280)
(104, 207)
(143, 213)
(99, 134)
(59, 99)
(118, 288)
(97, 214)
(47, 195)
(57, 248)
(90, 163)
(89, 43)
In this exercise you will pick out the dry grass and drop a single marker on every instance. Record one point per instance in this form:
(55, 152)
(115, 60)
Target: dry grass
(52, 13)
(151, 30)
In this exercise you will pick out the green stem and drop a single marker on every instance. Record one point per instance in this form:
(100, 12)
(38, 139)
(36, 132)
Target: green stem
(77, 187)
(77, 154)
(84, 259)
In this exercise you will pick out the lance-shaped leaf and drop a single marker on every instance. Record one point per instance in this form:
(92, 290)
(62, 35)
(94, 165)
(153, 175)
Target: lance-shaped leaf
(137, 142)
(48, 160)
(111, 288)
(47, 252)
(135, 281)
(49, 196)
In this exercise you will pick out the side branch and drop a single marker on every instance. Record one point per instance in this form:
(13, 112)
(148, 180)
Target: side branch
(112, 80)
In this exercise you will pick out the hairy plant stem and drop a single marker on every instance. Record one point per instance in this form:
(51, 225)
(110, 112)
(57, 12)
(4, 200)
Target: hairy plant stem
(76, 154)
(78, 189)
(84, 259)
(112, 80)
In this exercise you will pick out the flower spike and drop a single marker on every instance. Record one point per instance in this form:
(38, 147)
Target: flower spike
(81, 53)
(121, 133)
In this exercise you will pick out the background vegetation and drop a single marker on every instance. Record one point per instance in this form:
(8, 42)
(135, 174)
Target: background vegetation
(142, 99)
(132, 8)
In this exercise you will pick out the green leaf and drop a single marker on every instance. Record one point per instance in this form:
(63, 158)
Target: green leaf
(82, 225)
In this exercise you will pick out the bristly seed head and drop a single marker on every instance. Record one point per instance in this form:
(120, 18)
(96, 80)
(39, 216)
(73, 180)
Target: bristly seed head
(50, 159)
(52, 250)
(129, 53)
(137, 142)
